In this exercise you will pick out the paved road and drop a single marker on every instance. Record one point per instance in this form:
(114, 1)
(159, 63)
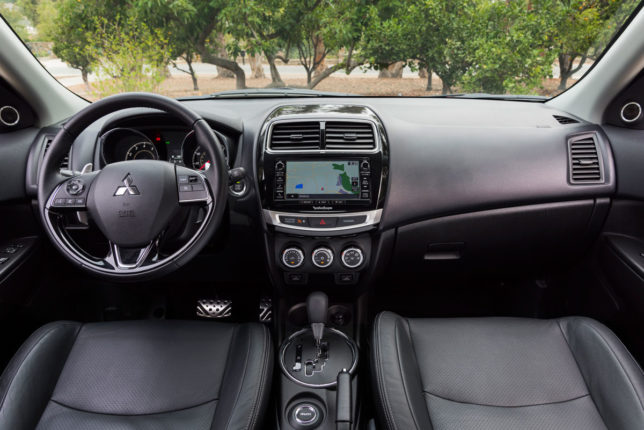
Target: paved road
(69, 76)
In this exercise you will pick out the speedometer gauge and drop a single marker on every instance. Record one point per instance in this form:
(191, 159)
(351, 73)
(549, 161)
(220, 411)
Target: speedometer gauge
(142, 151)
(200, 159)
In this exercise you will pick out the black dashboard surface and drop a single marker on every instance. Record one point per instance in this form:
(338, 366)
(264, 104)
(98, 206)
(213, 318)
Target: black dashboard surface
(447, 156)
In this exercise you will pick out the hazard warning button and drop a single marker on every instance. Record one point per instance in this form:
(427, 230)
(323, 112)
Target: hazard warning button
(323, 222)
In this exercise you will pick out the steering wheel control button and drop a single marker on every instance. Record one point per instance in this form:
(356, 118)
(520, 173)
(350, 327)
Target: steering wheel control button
(306, 414)
(348, 221)
(4, 260)
(352, 257)
(322, 257)
(292, 257)
(75, 187)
(192, 188)
(294, 220)
(323, 222)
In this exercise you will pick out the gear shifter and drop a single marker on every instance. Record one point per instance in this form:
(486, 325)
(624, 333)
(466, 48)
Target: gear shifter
(317, 306)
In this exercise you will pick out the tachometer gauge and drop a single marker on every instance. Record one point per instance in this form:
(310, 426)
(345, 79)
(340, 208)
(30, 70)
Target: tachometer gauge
(142, 151)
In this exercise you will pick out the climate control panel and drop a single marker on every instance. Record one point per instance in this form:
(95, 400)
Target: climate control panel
(304, 260)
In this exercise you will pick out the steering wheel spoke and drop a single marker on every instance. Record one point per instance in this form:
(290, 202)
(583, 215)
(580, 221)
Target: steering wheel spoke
(132, 258)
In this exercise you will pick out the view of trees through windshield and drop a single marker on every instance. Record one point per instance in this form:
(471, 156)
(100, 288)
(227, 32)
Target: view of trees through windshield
(368, 47)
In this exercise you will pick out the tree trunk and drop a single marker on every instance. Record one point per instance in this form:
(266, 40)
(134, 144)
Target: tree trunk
(223, 72)
(393, 71)
(193, 75)
(232, 66)
(85, 77)
(429, 80)
(446, 88)
(565, 64)
(422, 73)
(275, 74)
(255, 62)
(319, 58)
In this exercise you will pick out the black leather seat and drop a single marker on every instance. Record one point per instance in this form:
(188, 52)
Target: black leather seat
(504, 373)
(139, 375)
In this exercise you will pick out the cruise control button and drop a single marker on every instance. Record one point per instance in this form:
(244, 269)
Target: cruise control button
(185, 188)
(347, 221)
(323, 222)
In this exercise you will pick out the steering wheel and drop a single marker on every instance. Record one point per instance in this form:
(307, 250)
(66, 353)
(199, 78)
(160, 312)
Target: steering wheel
(133, 203)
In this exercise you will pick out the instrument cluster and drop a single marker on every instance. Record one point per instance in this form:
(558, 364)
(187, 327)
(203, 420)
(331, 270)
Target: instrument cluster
(177, 146)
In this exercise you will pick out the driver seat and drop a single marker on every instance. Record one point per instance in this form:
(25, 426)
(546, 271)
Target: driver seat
(139, 375)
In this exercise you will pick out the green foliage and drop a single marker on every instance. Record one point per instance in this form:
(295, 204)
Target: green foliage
(471, 45)
(512, 51)
(15, 18)
(132, 55)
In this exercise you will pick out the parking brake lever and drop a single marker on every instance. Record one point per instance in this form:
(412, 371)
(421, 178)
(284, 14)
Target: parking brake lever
(343, 401)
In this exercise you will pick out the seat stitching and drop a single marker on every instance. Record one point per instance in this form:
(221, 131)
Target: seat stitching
(264, 370)
(241, 384)
(28, 353)
(132, 415)
(616, 359)
(504, 406)
(381, 387)
(411, 341)
(402, 379)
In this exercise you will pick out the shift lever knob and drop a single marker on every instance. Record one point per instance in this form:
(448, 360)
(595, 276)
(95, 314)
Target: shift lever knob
(317, 306)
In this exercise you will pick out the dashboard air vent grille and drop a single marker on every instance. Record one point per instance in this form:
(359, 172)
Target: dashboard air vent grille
(565, 119)
(295, 136)
(585, 162)
(64, 164)
(349, 135)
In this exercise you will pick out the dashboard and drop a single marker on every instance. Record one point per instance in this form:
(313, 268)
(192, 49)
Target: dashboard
(172, 144)
(361, 184)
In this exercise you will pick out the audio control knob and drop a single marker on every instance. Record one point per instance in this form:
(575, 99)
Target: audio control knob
(292, 257)
(322, 257)
(352, 257)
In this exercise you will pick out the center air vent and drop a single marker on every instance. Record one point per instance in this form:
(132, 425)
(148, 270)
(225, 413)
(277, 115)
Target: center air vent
(295, 136)
(349, 135)
(585, 161)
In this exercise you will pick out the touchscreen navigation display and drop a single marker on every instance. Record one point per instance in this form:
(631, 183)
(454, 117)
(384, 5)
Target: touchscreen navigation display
(322, 179)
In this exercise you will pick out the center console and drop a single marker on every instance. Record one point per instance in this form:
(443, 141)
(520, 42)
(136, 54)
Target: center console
(322, 175)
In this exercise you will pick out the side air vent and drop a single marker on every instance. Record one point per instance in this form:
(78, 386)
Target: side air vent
(295, 136)
(585, 161)
(64, 164)
(565, 119)
(349, 135)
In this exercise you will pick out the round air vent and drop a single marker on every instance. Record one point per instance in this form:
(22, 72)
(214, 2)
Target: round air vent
(631, 112)
(9, 115)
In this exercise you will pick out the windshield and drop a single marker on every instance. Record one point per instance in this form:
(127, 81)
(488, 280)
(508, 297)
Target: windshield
(183, 48)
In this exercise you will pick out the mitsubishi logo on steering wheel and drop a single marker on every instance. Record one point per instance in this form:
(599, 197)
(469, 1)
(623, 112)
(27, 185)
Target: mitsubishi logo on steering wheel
(128, 188)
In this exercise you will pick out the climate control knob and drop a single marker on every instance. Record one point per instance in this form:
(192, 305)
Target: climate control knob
(352, 257)
(322, 257)
(292, 257)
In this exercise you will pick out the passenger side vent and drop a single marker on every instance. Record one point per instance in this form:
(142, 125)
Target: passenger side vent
(295, 136)
(64, 164)
(585, 160)
(565, 120)
(349, 135)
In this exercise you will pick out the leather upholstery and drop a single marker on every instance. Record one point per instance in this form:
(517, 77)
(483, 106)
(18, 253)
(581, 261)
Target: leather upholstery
(139, 375)
(504, 373)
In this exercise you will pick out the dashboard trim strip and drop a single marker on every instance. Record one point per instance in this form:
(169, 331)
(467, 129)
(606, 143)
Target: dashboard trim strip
(272, 218)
